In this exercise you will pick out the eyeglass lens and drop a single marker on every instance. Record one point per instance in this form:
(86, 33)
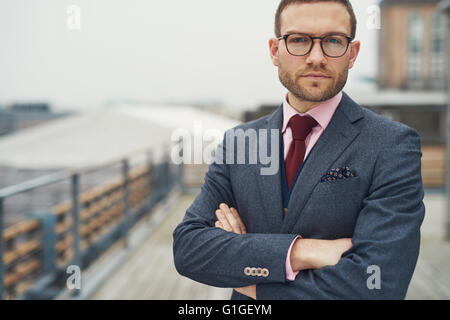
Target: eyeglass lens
(333, 46)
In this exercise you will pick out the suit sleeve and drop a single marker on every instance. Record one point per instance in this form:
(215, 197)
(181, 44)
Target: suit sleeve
(386, 239)
(218, 258)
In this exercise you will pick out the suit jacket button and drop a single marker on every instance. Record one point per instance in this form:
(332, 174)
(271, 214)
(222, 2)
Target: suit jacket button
(253, 272)
(265, 272)
(259, 272)
(247, 271)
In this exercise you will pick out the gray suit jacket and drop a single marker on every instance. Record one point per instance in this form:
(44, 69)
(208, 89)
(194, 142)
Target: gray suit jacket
(380, 208)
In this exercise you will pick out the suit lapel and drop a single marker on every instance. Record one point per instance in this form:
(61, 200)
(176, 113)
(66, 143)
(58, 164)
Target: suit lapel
(270, 185)
(338, 135)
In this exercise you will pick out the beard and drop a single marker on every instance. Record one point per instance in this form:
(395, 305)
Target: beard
(318, 95)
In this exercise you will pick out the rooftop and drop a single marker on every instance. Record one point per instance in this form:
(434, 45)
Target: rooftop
(101, 136)
(398, 98)
(408, 2)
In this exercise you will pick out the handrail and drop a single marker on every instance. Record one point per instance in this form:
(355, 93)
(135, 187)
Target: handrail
(65, 174)
(62, 230)
(34, 183)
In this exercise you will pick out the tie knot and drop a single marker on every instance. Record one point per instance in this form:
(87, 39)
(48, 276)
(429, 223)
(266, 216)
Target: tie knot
(301, 126)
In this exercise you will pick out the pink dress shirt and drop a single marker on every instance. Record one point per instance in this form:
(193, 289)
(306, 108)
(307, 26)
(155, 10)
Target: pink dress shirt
(322, 114)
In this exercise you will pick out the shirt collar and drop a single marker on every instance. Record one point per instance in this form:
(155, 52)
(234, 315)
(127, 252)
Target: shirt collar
(322, 113)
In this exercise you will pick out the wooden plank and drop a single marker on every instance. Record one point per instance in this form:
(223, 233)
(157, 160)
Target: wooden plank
(63, 226)
(62, 208)
(433, 165)
(21, 250)
(19, 228)
(64, 243)
(21, 271)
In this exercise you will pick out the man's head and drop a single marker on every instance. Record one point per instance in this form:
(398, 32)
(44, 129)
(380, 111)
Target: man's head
(300, 72)
(285, 3)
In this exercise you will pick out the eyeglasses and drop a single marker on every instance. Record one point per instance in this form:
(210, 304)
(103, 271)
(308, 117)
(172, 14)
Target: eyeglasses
(333, 46)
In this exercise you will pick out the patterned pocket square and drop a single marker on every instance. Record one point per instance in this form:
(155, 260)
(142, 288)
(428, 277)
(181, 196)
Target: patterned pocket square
(337, 173)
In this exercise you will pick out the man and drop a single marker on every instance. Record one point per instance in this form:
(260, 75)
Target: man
(341, 218)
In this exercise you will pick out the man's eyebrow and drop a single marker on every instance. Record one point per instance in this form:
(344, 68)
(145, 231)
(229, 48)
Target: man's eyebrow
(314, 35)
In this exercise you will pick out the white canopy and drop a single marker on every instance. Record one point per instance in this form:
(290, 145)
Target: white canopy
(101, 136)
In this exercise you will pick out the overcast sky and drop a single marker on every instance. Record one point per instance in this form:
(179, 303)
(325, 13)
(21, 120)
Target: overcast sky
(148, 50)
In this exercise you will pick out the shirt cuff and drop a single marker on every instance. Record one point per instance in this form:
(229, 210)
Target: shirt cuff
(290, 274)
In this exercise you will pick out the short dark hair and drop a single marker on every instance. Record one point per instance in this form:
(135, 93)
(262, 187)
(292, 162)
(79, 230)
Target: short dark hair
(285, 3)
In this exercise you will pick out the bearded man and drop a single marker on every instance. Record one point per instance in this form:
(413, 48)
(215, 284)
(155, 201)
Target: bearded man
(341, 217)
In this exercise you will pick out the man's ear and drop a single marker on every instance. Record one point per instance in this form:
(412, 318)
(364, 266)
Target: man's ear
(273, 46)
(354, 51)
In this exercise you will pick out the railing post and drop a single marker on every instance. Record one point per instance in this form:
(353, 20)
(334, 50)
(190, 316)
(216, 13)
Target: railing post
(180, 177)
(150, 179)
(76, 223)
(2, 266)
(158, 180)
(126, 202)
(167, 172)
(166, 177)
(446, 8)
(170, 176)
(48, 222)
(41, 289)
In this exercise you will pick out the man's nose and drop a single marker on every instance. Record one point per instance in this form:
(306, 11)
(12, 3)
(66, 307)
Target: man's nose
(316, 55)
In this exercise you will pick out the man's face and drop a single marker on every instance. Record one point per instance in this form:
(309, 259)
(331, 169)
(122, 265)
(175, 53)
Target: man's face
(314, 19)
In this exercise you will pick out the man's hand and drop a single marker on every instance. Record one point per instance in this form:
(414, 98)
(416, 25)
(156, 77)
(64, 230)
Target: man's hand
(228, 219)
(316, 253)
(249, 291)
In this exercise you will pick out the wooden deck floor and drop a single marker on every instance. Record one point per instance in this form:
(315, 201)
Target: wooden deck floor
(149, 272)
(431, 279)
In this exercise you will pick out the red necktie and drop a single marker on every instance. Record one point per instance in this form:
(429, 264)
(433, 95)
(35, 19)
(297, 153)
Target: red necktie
(301, 128)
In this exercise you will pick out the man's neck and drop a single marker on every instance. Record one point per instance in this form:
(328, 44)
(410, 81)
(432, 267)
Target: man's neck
(301, 106)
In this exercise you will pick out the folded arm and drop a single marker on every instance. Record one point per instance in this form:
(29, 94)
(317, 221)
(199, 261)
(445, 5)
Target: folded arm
(303, 253)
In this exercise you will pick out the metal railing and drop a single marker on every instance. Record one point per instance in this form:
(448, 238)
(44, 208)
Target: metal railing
(36, 252)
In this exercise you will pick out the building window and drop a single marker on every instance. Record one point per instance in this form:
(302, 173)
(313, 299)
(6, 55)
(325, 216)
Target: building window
(415, 45)
(437, 46)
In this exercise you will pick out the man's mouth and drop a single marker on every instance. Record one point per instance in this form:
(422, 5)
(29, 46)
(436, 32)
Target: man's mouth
(316, 76)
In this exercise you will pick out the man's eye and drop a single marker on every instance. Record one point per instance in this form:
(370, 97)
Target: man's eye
(299, 40)
(334, 41)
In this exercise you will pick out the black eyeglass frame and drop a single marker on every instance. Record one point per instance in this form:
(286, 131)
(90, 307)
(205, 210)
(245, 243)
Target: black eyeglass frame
(350, 40)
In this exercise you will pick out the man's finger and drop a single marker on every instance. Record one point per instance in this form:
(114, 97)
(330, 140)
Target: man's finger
(219, 225)
(239, 220)
(223, 221)
(236, 228)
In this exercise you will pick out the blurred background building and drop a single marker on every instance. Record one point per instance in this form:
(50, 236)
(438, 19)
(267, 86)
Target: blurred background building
(412, 46)
(22, 115)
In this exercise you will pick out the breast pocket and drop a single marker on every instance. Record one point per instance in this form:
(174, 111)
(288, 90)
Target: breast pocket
(339, 187)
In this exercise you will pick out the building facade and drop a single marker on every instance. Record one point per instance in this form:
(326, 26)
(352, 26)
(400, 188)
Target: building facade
(412, 46)
(413, 62)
